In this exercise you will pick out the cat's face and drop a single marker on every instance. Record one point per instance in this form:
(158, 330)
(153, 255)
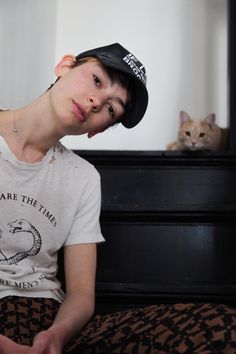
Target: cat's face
(196, 135)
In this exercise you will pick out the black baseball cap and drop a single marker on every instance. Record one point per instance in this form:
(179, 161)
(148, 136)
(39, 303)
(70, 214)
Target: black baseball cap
(117, 57)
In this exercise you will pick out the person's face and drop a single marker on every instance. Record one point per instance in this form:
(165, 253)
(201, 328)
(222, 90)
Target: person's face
(85, 99)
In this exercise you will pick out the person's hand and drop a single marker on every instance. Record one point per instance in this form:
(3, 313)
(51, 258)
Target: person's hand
(8, 346)
(45, 342)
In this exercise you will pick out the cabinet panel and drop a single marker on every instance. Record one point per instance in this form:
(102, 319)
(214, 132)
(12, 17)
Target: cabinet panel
(168, 257)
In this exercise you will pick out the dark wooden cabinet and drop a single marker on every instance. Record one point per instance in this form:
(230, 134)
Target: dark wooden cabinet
(170, 228)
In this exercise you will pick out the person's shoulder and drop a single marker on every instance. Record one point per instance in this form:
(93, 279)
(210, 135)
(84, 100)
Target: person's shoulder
(73, 161)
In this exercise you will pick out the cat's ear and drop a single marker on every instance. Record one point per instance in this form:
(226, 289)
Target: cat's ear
(183, 117)
(210, 119)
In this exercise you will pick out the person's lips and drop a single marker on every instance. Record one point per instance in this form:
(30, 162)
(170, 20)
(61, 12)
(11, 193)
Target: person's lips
(79, 112)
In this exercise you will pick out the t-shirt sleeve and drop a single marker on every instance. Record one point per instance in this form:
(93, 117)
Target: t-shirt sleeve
(86, 225)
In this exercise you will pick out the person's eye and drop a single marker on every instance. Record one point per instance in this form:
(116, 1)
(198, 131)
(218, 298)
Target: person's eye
(111, 110)
(96, 80)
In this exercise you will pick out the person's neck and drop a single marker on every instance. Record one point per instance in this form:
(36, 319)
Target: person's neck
(29, 131)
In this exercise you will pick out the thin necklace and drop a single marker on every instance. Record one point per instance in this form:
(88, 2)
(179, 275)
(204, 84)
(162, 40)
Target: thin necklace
(15, 130)
(19, 142)
(18, 138)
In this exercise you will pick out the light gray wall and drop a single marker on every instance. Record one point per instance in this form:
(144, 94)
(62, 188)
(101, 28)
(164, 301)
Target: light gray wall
(27, 49)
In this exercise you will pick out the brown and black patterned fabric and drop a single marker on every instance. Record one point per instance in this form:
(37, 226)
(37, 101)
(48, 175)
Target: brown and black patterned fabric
(21, 318)
(163, 329)
(157, 329)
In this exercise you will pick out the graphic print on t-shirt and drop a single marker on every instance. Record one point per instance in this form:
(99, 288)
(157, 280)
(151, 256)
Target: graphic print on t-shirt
(17, 227)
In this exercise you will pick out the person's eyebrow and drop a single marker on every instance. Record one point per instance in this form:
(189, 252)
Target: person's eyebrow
(122, 103)
(107, 73)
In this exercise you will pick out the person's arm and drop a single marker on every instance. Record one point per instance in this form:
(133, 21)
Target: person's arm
(78, 306)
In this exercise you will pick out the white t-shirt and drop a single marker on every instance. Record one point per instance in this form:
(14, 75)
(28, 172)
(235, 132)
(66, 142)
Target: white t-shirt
(44, 206)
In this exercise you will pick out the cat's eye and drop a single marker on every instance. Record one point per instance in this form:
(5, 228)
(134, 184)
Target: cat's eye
(188, 133)
(201, 135)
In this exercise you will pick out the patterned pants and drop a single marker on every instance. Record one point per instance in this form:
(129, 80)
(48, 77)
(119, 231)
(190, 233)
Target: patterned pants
(156, 329)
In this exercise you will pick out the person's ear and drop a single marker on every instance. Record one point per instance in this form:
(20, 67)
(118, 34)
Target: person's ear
(64, 65)
(95, 132)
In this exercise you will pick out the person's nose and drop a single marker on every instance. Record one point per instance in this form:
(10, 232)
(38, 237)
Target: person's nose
(95, 103)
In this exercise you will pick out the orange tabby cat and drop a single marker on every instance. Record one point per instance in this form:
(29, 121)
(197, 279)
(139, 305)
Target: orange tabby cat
(199, 134)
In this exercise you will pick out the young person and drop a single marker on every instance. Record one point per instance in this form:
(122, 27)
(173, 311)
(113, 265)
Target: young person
(50, 197)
